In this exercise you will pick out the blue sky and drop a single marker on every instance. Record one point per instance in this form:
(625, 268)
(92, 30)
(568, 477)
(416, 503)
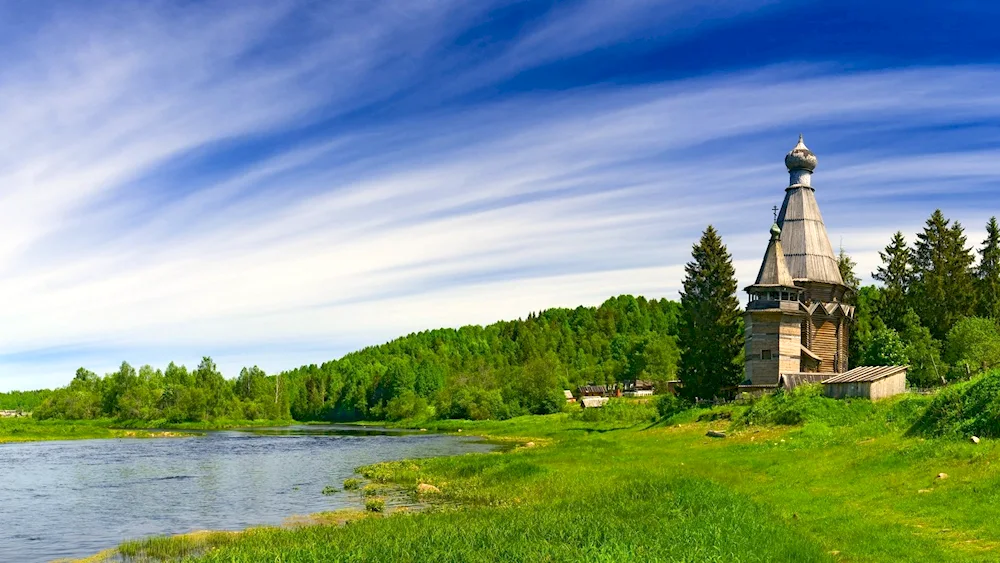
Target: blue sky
(281, 182)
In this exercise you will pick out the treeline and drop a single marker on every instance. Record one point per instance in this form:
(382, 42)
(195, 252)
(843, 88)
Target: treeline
(175, 394)
(498, 371)
(938, 307)
(502, 370)
(25, 401)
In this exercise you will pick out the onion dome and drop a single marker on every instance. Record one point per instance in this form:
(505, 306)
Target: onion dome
(775, 232)
(800, 158)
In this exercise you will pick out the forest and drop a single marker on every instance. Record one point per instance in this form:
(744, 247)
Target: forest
(499, 371)
(936, 309)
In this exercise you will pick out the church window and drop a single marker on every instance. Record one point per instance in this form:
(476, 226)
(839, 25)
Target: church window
(765, 354)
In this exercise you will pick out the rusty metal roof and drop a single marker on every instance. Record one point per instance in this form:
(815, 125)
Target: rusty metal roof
(866, 374)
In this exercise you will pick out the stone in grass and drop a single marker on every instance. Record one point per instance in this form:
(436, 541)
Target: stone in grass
(529, 445)
(427, 489)
(942, 475)
(715, 434)
(975, 439)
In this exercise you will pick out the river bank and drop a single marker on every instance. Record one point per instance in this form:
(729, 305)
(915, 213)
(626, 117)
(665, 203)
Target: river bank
(27, 429)
(847, 485)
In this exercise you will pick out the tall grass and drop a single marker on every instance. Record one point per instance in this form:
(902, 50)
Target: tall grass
(970, 408)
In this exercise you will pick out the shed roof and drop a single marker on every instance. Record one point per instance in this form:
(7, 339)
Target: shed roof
(865, 374)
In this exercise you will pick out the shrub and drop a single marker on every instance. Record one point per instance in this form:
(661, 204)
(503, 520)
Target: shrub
(788, 408)
(621, 410)
(375, 504)
(669, 404)
(352, 484)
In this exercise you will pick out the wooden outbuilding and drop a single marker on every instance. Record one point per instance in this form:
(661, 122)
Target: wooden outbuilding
(593, 402)
(869, 382)
(592, 391)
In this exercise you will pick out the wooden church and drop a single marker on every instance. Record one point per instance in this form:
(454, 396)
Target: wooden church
(797, 323)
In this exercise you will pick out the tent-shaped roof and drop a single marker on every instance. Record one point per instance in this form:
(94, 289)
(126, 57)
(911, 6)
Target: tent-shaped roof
(807, 246)
(774, 268)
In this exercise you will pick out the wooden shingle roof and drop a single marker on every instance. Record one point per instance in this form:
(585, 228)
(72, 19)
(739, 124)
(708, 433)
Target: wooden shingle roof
(866, 374)
(774, 268)
(806, 245)
(803, 234)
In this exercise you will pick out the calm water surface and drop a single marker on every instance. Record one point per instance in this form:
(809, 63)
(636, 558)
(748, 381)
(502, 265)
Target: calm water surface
(74, 498)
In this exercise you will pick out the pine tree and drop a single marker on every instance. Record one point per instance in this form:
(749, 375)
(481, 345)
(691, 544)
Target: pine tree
(945, 288)
(988, 272)
(710, 339)
(896, 273)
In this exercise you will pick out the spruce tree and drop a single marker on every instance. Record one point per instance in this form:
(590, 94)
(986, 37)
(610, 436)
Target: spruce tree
(988, 272)
(945, 288)
(709, 336)
(896, 273)
(851, 280)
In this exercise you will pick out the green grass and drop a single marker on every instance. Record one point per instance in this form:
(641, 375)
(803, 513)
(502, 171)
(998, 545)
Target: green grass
(31, 430)
(28, 429)
(846, 482)
(970, 408)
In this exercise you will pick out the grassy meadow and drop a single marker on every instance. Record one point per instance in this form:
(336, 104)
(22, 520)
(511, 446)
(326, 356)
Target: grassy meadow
(798, 478)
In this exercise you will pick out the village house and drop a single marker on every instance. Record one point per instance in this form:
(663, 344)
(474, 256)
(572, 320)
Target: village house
(638, 388)
(592, 391)
(797, 319)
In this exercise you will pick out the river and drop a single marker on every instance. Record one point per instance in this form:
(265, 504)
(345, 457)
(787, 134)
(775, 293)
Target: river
(75, 498)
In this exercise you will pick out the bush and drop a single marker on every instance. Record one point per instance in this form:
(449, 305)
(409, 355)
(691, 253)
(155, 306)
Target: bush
(669, 404)
(621, 410)
(375, 504)
(781, 408)
(352, 484)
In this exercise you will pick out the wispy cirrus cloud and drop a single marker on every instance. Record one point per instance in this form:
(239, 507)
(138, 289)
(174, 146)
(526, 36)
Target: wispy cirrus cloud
(284, 182)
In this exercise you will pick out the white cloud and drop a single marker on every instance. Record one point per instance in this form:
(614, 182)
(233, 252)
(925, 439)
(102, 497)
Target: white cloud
(134, 233)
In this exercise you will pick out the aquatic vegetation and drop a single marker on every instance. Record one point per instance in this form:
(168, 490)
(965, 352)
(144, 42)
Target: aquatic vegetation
(352, 484)
(375, 504)
(330, 490)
